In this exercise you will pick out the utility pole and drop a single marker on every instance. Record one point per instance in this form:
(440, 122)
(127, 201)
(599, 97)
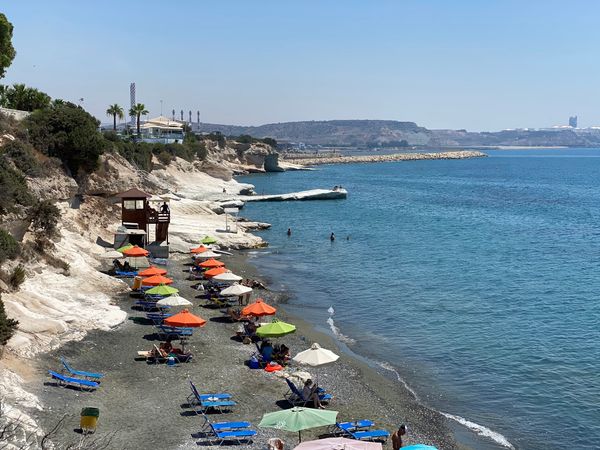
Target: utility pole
(173, 114)
(182, 115)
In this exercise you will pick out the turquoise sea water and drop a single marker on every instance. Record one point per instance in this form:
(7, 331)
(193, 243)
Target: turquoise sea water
(476, 280)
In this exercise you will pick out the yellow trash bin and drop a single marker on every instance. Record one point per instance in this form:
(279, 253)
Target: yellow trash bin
(89, 420)
(137, 283)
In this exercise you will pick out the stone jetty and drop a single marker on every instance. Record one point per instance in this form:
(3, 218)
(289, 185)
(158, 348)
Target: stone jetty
(461, 154)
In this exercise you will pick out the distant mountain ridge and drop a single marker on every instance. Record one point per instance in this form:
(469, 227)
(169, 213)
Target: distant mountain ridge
(363, 133)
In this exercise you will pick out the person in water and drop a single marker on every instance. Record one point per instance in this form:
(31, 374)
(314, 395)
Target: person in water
(289, 232)
(397, 437)
(332, 237)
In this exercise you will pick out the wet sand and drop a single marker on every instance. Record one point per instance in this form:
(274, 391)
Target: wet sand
(144, 406)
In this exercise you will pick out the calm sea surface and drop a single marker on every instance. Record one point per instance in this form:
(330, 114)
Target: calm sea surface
(476, 280)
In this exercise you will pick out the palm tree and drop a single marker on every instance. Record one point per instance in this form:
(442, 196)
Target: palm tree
(115, 111)
(137, 111)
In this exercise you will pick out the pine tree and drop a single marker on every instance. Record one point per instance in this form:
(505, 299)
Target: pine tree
(7, 326)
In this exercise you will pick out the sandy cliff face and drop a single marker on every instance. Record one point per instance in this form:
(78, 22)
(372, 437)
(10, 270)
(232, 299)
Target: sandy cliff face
(243, 157)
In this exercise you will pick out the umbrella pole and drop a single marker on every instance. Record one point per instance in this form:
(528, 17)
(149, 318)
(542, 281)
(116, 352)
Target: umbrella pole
(299, 437)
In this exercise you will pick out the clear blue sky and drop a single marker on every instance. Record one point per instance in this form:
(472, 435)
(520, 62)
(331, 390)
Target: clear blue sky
(443, 64)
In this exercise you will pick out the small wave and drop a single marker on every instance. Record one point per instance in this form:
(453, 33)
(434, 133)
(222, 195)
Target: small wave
(336, 331)
(331, 311)
(389, 367)
(480, 430)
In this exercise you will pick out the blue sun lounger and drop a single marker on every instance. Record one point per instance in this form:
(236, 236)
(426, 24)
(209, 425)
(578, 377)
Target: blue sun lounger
(231, 435)
(80, 373)
(173, 332)
(205, 402)
(223, 426)
(370, 435)
(76, 382)
(357, 425)
(195, 395)
(124, 274)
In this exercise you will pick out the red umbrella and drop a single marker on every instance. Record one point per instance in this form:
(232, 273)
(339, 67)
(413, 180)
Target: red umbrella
(210, 263)
(136, 251)
(185, 319)
(258, 308)
(150, 271)
(200, 249)
(156, 280)
(216, 271)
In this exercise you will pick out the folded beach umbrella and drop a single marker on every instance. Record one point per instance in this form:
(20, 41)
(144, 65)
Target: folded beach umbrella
(135, 252)
(125, 247)
(338, 443)
(276, 328)
(137, 262)
(185, 319)
(298, 419)
(174, 300)
(112, 254)
(211, 263)
(235, 290)
(162, 289)
(316, 356)
(207, 240)
(420, 447)
(227, 277)
(258, 308)
(155, 280)
(216, 271)
(207, 254)
(151, 271)
(199, 249)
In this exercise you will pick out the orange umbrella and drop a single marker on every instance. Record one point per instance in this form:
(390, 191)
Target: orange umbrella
(185, 319)
(200, 249)
(136, 251)
(210, 263)
(216, 271)
(150, 271)
(155, 280)
(258, 308)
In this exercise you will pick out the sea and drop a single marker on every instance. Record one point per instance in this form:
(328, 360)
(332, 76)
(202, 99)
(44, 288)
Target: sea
(474, 282)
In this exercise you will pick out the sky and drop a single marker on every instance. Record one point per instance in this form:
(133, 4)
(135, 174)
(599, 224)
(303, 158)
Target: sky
(475, 65)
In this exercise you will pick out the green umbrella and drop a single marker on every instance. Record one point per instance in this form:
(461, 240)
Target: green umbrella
(162, 289)
(298, 419)
(208, 240)
(276, 328)
(125, 247)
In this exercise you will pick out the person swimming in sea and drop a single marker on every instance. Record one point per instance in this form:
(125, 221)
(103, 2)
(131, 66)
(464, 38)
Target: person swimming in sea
(332, 237)
(289, 232)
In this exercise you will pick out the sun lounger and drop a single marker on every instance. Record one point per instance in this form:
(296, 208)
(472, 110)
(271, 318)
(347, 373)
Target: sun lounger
(124, 274)
(295, 397)
(203, 403)
(232, 435)
(64, 380)
(370, 435)
(192, 398)
(168, 333)
(357, 425)
(156, 356)
(146, 305)
(223, 426)
(158, 317)
(80, 373)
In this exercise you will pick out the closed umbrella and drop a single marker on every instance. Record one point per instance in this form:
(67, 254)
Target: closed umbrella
(316, 356)
(174, 300)
(276, 328)
(258, 308)
(211, 263)
(151, 271)
(227, 277)
(207, 254)
(298, 419)
(137, 262)
(207, 240)
(156, 280)
(339, 443)
(235, 290)
(216, 271)
(136, 251)
(163, 290)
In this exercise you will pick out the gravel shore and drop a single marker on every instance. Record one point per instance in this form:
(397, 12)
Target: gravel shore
(144, 406)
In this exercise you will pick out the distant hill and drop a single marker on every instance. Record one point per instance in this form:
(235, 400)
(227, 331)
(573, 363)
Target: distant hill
(363, 133)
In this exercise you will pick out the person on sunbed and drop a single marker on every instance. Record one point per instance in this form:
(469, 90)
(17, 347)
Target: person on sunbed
(282, 354)
(309, 392)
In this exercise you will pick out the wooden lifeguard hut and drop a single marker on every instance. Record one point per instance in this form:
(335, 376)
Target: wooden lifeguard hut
(137, 213)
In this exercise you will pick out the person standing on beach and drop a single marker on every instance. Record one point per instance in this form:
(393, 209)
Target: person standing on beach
(397, 437)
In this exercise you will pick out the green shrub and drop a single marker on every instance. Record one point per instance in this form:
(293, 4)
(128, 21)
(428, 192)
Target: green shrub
(137, 153)
(270, 141)
(7, 326)
(13, 188)
(18, 276)
(165, 158)
(23, 156)
(44, 216)
(9, 247)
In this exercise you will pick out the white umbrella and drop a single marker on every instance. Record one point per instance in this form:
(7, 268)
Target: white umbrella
(138, 262)
(227, 277)
(174, 300)
(316, 356)
(236, 290)
(112, 254)
(207, 254)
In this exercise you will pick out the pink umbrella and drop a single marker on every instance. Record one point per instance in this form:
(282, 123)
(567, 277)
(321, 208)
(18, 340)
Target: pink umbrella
(338, 443)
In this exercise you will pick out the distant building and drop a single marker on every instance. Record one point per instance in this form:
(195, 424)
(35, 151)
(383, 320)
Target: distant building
(162, 130)
(573, 121)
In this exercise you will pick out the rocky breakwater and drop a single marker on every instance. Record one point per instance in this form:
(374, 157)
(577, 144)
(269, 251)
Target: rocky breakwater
(462, 154)
(312, 194)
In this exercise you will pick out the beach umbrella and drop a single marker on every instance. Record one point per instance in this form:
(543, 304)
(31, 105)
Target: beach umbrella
(174, 300)
(155, 280)
(227, 277)
(211, 263)
(216, 271)
(125, 247)
(207, 254)
(162, 289)
(298, 374)
(112, 254)
(235, 290)
(207, 240)
(298, 419)
(339, 443)
(185, 319)
(258, 308)
(316, 356)
(135, 252)
(276, 328)
(199, 249)
(420, 447)
(138, 262)
(151, 271)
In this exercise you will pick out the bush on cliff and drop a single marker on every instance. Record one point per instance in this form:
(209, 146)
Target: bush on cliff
(137, 153)
(7, 326)
(13, 187)
(23, 156)
(69, 133)
(44, 216)
(9, 247)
